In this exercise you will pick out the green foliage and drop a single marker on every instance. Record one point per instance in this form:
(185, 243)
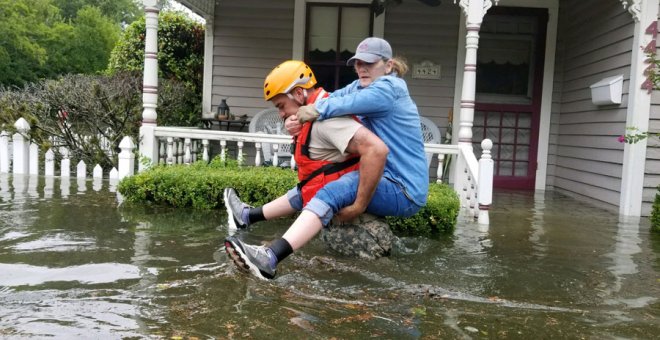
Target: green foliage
(200, 185)
(180, 48)
(40, 42)
(655, 213)
(438, 216)
(23, 27)
(119, 11)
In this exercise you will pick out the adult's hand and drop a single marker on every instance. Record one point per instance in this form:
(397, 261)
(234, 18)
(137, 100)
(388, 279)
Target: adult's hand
(307, 113)
(292, 125)
(349, 213)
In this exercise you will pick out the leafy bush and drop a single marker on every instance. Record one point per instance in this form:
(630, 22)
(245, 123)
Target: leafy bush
(655, 213)
(77, 111)
(200, 186)
(438, 216)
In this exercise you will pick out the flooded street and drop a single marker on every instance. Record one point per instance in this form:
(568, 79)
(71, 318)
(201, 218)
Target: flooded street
(74, 263)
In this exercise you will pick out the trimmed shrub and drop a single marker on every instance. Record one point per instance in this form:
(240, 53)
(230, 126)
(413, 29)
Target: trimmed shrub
(200, 186)
(438, 216)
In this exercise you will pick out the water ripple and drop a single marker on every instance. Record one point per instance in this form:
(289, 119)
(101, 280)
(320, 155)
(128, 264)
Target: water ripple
(22, 274)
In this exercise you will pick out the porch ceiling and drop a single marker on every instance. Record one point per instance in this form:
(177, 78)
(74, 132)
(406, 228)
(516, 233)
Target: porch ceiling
(203, 8)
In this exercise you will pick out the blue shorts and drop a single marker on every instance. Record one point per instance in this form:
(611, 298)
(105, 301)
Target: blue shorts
(389, 199)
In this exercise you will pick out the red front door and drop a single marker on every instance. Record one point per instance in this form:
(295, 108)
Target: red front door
(508, 99)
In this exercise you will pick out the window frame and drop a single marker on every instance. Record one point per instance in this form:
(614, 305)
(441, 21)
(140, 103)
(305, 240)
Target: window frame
(300, 24)
(338, 64)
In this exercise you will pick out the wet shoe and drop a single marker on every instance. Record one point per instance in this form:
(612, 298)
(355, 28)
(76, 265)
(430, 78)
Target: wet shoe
(235, 209)
(250, 259)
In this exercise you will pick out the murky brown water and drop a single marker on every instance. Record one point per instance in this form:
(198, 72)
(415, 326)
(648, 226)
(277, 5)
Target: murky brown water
(75, 265)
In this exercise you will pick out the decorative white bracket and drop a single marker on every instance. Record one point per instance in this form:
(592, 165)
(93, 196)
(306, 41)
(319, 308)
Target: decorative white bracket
(635, 8)
(487, 5)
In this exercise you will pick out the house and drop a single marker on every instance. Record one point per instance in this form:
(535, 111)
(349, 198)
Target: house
(519, 72)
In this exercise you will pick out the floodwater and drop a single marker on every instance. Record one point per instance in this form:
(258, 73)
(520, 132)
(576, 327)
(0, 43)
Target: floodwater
(74, 263)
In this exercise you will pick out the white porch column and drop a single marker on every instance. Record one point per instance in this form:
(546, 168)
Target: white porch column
(207, 83)
(639, 105)
(148, 146)
(474, 11)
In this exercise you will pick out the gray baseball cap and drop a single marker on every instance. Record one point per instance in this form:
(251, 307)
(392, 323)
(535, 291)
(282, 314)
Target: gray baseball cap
(371, 50)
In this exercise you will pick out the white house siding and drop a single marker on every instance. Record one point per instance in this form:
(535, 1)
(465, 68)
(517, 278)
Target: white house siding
(418, 32)
(595, 38)
(251, 37)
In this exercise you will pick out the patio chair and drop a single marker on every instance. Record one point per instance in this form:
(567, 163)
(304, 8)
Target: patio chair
(268, 121)
(430, 134)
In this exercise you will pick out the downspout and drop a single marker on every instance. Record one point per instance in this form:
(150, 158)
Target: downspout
(644, 13)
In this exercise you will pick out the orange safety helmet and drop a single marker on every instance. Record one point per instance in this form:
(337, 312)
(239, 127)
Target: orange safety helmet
(286, 76)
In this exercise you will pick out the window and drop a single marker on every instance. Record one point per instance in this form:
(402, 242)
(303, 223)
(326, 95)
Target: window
(333, 32)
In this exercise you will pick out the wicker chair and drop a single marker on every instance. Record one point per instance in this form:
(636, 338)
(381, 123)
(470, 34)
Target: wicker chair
(430, 134)
(268, 121)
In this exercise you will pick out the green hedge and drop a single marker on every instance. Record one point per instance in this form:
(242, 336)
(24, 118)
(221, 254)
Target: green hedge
(200, 186)
(438, 216)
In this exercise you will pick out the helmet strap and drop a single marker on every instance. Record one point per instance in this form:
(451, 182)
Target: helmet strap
(292, 97)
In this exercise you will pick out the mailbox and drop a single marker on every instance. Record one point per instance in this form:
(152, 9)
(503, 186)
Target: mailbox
(607, 91)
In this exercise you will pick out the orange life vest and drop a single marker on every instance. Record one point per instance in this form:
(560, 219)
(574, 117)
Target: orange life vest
(314, 174)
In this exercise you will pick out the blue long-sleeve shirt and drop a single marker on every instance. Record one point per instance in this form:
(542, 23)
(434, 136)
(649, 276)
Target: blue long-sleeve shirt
(386, 109)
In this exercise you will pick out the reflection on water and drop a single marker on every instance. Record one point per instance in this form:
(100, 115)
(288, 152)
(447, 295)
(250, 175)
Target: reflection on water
(74, 263)
(20, 274)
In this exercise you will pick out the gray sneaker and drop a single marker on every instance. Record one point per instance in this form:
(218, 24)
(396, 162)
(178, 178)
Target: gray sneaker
(250, 259)
(234, 208)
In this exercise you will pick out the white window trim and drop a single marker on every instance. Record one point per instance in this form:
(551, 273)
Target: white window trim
(298, 50)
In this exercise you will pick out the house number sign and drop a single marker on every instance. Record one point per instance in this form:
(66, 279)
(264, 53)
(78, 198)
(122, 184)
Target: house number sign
(426, 70)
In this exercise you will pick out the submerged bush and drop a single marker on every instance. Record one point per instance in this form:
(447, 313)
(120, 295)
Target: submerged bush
(438, 216)
(200, 186)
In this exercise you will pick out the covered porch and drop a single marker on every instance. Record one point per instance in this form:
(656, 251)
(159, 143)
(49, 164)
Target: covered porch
(548, 135)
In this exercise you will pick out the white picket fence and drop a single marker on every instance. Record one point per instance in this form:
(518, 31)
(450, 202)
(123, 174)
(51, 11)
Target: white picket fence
(472, 178)
(21, 157)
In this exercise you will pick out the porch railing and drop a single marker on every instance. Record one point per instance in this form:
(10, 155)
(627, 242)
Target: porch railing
(472, 178)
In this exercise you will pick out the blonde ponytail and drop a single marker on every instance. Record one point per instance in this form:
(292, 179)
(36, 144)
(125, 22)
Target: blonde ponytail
(399, 66)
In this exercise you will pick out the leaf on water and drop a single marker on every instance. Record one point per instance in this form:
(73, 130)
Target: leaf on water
(418, 311)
